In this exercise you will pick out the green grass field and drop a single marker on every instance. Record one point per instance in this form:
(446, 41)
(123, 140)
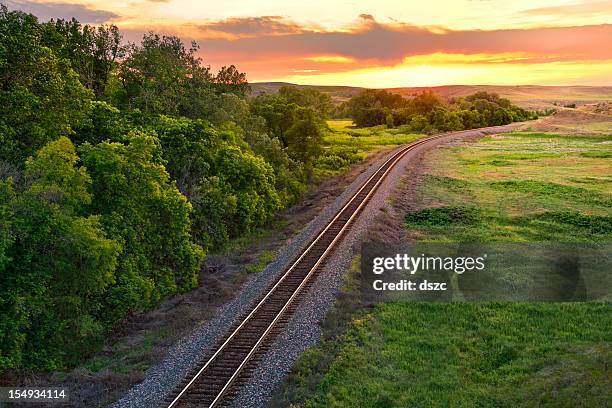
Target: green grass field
(472, 355)
(345, 145)
(515, 187)
(518, 187)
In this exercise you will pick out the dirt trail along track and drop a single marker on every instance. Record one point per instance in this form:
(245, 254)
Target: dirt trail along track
(213, 382)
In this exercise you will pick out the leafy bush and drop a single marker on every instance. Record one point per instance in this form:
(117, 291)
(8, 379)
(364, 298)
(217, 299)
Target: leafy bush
(337, 159)
(61, 263)
(595, 224)
(552, 190)
(444, 216)
(141, 208)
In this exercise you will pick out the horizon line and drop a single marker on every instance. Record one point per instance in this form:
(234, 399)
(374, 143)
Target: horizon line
(434, 86)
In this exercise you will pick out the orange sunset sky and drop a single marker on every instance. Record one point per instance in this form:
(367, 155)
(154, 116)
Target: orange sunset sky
(381, 43)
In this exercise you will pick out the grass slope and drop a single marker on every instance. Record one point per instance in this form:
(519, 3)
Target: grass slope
(513, 187)
(518, 187)
(345, 145)
(472, 355)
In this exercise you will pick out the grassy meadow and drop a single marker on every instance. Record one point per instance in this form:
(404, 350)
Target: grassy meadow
(345, 145)
(472, 355)
(518, 187)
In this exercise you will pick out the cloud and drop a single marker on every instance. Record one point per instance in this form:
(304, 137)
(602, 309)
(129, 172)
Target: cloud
(47, 11)
(272, 46)
(329, 58)
(245, 27)
(389, 44)
(583, 9)
(367, 17)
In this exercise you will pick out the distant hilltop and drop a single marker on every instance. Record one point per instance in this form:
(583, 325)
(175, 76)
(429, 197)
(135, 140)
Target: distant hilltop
(527, 96)
(338, 93)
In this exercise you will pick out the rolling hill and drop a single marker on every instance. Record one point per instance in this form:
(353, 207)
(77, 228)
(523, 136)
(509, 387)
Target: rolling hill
(527, 96)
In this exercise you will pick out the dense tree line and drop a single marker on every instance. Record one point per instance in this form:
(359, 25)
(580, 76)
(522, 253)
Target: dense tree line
(120, 166)
(428, 112)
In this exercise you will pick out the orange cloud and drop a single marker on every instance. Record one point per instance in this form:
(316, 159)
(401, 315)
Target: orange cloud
(248, 27)
(372, 44)
(329, 58)
(273, 46)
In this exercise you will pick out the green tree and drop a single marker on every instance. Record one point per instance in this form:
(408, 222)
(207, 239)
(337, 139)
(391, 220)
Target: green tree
(471, 118)
(92, 51)
(490, 97)
(418, 123)
(305, 136)
(389, 120)
(162, 76)
(6, 215)
(60, 264)
(143, 209)
(299, 129)
(228, 107)
(231, 189)
(290, 174)
(425, 102)
(278, 113)
(308, 98)
(251, 181)
(371, 107)
(230, 80)
(103, 122)
(40, 94)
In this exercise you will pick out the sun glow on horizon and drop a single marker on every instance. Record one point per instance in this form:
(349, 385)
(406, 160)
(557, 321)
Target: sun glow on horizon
(458, 69)
(330, 58)
(382, 43)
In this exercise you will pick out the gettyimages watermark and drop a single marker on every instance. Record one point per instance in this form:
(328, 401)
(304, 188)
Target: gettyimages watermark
(540, 272)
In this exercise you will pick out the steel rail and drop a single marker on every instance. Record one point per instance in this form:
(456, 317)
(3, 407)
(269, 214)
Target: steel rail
(385, 168)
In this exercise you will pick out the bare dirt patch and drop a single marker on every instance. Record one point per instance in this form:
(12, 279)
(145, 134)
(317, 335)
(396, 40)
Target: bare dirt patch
(588, 119)
(603, 108)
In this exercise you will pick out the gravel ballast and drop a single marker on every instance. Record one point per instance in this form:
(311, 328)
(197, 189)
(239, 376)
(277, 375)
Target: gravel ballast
(303, 329)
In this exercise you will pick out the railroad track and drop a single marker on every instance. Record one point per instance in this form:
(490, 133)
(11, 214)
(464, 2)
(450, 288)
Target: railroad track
(225, 368)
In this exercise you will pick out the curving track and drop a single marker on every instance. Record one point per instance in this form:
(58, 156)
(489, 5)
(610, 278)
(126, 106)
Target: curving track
(222, 371)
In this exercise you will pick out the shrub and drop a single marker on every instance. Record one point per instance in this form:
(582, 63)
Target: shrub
(444, 216)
